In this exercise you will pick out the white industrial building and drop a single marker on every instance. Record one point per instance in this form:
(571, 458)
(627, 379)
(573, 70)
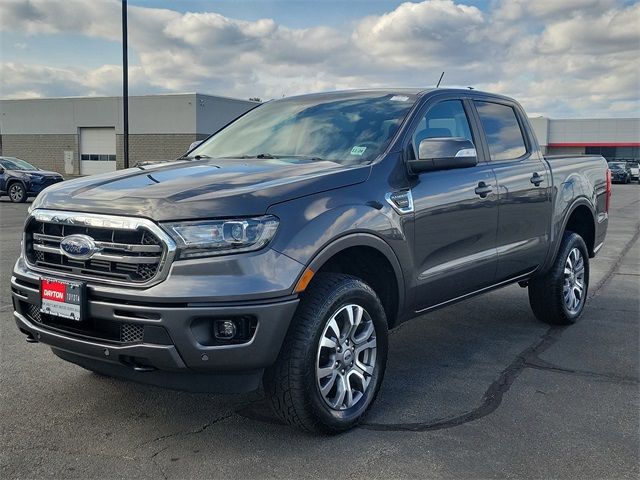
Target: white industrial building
(613, 138)
(84, 135)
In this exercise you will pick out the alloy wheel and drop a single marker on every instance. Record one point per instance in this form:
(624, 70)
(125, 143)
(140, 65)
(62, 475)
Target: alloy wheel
(346, 358)
(574, 288)
(16, 192)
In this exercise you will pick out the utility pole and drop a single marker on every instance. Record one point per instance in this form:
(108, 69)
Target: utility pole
(125, 84)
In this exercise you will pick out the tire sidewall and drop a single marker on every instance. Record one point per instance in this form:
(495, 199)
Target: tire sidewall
(351, 291)
(573, 241)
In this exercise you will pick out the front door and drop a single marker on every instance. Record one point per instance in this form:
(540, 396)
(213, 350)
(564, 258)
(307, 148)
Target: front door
(456, 215)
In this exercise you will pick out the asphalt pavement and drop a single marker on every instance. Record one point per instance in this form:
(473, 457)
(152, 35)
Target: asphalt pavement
(480, 389)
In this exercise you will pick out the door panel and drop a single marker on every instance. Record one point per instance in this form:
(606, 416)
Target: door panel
(525, 213)
(456, 214)
(455, 234)
(524, 195)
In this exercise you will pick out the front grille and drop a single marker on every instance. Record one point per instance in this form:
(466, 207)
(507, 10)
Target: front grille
(102, 329)
(50, 181)
(131, 333)
(126, 255)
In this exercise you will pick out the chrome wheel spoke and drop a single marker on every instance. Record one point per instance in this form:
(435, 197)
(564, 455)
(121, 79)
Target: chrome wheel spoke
(355, 313)
(574, 281)
(364, 368)
(324, 372)
(364, 346)
(328, 343)
(329, 385)
(346, 357)
(341, 393)
(333, 326)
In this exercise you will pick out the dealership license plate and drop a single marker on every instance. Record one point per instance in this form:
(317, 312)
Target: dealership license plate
(62, 299)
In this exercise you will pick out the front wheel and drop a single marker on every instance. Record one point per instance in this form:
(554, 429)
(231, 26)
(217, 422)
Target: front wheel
(559, 296)
(17, 193)
(333, 359)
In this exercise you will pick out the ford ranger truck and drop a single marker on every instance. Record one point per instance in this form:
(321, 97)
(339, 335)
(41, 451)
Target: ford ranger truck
(282, 249)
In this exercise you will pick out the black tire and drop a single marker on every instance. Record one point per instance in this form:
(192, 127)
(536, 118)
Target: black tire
(547, 294)
(17, 192)
(292, 385)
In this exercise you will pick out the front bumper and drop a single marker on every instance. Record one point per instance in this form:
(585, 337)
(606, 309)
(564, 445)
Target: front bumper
(173, 347)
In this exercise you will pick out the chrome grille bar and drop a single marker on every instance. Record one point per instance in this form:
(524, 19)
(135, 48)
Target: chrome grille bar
(133, 251)
(123, 247)
(101, 256)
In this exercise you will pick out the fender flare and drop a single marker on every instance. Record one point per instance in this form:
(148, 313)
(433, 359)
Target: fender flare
(11, 181)
(362, 239)
(582, 201)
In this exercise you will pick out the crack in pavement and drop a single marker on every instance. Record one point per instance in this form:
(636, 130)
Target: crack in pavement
(184, 433)
(528, 358)
(540, 364)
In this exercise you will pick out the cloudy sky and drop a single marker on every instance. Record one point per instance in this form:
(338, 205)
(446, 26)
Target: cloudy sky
(561, 58)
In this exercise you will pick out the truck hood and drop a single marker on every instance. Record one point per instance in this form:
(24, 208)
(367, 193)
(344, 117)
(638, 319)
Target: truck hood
(199, 189)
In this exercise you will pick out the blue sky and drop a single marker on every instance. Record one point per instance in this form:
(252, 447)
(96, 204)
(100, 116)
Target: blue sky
(569, 58)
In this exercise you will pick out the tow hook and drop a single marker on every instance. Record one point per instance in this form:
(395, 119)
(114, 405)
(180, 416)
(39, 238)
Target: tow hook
(31, 339)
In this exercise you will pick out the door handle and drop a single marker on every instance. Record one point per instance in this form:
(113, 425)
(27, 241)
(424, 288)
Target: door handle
(537, 179)
(483, 189)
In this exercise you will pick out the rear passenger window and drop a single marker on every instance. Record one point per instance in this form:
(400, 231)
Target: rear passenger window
(502, 130)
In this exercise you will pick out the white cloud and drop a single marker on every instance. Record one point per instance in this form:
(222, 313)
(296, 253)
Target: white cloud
(563, 58)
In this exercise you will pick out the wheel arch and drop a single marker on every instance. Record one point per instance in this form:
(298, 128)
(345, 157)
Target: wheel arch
(11, 181)
(579, 210)
(369, 257)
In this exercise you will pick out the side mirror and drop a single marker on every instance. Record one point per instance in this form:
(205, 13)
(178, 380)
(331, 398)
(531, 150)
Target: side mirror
(194, 145)
(1, 169)
(443, 154)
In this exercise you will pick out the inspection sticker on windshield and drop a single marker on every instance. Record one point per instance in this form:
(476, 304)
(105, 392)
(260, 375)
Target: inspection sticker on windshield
(399, 98)
(358, 150)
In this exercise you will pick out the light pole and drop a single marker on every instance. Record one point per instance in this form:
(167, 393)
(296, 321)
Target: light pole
(125, 84)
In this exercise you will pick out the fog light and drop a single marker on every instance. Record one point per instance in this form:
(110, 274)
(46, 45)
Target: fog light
(225, 329)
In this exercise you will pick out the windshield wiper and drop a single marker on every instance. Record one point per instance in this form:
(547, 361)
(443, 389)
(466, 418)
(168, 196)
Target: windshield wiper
(195, 157)
(260, 155)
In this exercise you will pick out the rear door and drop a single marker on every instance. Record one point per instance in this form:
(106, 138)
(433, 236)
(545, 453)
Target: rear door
(456, 214)
(524, 188)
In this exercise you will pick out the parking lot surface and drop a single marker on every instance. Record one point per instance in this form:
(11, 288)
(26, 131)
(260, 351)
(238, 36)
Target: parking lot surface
(476, 390)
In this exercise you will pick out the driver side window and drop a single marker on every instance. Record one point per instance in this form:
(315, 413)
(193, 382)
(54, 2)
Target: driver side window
(444, 119)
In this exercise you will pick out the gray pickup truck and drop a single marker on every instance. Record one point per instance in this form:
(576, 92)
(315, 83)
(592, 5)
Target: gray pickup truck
(282, 249)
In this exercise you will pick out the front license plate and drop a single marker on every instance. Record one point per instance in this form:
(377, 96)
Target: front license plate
(62, 299)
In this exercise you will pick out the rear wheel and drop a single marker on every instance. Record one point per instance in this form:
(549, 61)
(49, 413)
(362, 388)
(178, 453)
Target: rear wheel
(17, 193)
(559, 296)
(333, 359)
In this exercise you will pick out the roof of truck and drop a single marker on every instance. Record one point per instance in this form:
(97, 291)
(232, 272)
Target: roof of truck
(418, 92)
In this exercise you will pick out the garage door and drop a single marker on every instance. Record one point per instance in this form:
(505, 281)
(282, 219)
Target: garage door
(97, 150)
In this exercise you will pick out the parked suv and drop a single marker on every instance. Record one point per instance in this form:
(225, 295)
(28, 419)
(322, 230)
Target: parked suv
(20, 180)
(285, 246)
(620, 172)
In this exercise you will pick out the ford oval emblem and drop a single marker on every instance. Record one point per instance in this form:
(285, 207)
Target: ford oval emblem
(79, 247)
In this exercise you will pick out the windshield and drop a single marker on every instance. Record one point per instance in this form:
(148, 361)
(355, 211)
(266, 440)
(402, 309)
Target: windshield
(616, 166)
(11, 163)
(349, 129)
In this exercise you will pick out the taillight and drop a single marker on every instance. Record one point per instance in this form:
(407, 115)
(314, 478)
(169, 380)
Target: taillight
(608, 200)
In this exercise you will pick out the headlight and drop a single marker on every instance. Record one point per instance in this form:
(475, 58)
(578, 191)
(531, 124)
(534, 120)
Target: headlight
(35, 178)
(219, 237)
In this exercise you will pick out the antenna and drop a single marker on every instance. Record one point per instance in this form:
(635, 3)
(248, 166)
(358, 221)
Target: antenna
(440, 80)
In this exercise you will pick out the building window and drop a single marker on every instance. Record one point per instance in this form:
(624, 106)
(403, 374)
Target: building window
(614, 153)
